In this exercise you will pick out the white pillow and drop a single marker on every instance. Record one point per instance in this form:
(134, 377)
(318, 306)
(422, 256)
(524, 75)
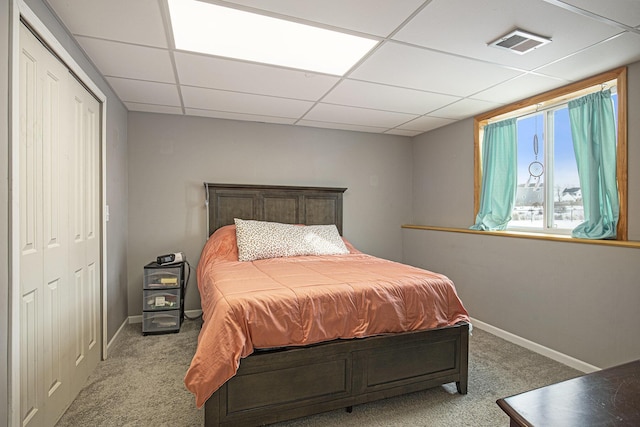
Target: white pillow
(261, 239)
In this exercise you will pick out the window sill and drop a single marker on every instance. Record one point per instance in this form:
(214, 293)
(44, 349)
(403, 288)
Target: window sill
(525, 235)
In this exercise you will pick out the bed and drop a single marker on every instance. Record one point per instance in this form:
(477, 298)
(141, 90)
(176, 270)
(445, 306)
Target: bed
(297, 369)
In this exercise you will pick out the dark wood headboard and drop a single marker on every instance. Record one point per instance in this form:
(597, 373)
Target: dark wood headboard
(275, 203)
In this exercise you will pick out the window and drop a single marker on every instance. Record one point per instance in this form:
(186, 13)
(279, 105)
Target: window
(548, 197)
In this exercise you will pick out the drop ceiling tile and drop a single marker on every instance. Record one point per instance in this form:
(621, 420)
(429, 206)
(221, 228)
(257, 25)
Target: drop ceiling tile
(388, 98)
(356, 116)
(399, 82)
(150, 108)
(117, 59)
(234, 102)
(416, 68)
(239, 116)
(402, 132)
(138, 21)
(218, 73)
(626, 12)
(341, 126)
(145, 92)
(621, 50)
(465, 28)
(519, 88)
(379, 18)
(464, 108)
(426, 123)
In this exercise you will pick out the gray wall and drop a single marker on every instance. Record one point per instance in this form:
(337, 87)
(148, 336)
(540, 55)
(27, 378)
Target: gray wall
(4, 212)
(171, 156)
(118, 225)
(578, 299)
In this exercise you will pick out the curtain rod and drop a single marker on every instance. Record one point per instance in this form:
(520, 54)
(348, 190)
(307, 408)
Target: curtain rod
(555, 102)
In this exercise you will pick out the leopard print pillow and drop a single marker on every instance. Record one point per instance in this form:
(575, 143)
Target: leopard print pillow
(261, 239)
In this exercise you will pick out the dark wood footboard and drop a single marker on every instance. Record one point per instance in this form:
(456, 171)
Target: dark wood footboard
(296, 382)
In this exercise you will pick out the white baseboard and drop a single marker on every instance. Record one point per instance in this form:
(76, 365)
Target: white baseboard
(535, 347)
(115, 337)
(135, 319)
(190, 313)
(193, 313)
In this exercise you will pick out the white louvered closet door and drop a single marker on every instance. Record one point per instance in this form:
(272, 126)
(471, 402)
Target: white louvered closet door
(59, 271)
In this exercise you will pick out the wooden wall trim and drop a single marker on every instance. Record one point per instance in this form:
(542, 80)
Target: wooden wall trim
(525, 235)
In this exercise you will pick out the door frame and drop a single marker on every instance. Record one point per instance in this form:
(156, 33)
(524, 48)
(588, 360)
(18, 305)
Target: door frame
(19, 10)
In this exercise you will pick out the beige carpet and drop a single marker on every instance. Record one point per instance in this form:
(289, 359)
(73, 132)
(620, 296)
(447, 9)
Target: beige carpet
(140, 384)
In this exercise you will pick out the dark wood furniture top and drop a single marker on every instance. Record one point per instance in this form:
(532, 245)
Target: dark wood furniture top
(610, 397)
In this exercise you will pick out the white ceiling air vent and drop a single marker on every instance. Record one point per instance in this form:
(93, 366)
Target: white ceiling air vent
(519, 42)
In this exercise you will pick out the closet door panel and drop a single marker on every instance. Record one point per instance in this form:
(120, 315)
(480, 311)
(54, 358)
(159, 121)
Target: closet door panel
(93, 235)
(30, 152)
(76, 225)
(84, 253)
(30, 213)
(56, 377)
(30, 396)
(50, 309)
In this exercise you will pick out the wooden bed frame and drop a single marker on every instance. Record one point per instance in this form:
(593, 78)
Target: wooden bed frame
(281, 384)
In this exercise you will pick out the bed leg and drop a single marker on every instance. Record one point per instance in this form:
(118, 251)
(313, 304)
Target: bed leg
(461, 385)
(349, 409)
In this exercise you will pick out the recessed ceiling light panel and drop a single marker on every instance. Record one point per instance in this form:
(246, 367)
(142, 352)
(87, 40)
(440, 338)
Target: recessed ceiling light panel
(519, 42)
(222, 31)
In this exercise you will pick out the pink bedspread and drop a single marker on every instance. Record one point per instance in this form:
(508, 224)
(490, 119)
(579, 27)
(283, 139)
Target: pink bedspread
(304, 300)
